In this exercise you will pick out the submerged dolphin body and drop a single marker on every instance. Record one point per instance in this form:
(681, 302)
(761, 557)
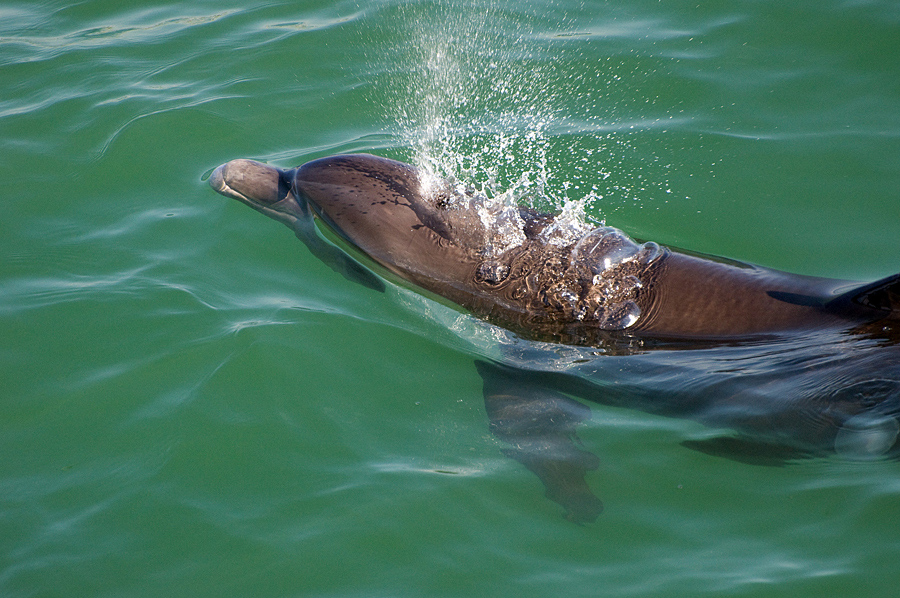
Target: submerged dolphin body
(829, 376)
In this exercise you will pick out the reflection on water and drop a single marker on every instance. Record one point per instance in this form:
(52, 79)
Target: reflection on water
(811, 394)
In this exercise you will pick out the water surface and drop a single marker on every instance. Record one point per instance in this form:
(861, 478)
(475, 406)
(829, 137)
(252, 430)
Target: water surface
(194, 405)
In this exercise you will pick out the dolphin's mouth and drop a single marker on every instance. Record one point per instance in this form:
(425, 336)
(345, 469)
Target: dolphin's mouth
(217, 182)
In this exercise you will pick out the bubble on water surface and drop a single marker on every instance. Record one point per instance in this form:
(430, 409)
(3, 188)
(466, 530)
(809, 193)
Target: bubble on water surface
(867, 436)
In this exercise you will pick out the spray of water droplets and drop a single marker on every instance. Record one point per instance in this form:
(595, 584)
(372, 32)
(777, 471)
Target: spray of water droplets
(475, 109)
(483, 100)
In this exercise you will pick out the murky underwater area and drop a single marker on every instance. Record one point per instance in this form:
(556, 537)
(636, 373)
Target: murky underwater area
(193, 404)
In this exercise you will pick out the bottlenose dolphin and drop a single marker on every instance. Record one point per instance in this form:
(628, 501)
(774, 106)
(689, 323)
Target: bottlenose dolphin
(828, 377)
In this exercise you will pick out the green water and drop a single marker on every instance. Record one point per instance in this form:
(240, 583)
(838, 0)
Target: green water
(193, 405)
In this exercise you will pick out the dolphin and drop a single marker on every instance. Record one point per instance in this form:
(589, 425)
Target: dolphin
(650, 309)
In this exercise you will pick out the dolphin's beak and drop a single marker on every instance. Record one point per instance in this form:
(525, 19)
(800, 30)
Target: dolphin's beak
(217, 180)
(250, 182)
(264, 188)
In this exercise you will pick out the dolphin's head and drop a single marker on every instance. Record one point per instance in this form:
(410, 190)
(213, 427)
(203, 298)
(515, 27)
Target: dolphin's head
(394, 213)
(390, 210)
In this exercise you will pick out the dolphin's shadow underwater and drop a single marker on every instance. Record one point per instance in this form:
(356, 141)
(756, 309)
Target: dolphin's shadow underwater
(789, 366)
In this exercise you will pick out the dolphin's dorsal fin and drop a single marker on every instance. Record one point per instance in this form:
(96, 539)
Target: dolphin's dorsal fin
(883, 295)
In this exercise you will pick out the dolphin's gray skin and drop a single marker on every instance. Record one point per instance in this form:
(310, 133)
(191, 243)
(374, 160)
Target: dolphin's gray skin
(601, 289)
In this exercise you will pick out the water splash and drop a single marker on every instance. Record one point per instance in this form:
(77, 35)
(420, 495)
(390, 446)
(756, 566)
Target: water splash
(492, 101)
(479, 99)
